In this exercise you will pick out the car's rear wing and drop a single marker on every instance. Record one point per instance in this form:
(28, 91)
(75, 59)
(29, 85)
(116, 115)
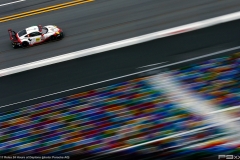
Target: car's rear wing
(12, 35)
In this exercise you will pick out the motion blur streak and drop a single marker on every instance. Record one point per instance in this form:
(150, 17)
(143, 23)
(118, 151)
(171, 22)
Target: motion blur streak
(43, 10)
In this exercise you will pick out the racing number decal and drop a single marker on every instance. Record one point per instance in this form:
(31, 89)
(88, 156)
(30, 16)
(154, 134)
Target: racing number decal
(37, 39)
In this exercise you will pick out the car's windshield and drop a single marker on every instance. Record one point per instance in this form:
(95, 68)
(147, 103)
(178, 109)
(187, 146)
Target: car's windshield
(44, 30)
(21, 33)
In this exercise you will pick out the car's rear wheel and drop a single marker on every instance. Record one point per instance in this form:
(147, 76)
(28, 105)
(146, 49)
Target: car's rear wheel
(14, 46)
(25, 44)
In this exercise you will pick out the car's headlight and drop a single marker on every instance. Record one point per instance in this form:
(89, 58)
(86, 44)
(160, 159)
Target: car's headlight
(57, 32)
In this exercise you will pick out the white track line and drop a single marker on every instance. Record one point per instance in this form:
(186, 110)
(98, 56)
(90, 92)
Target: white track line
(11, 3)
(152, 65)
(136, 73)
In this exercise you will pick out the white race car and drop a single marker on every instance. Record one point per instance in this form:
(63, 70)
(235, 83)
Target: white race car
(35, 35)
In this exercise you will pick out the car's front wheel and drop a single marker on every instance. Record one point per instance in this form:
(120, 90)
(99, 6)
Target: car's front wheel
(60, 35)
(25, 44)
(52, 38)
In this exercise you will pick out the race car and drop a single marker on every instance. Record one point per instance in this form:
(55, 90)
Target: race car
(35, 35)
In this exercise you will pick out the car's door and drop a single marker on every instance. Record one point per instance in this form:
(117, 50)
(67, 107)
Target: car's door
(35, 37)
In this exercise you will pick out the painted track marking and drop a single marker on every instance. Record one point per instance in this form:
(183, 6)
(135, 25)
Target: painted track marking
(44, 10)
(11, 3)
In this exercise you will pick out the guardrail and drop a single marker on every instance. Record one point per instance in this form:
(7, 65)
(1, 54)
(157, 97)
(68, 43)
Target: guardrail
(122, 43)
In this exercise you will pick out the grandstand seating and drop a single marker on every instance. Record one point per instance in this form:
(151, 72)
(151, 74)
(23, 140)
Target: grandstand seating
(217, 80)
(120, 115)
(113, 117)
(211, 139)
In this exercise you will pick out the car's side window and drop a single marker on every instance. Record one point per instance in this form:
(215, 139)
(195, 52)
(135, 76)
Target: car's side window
(34, 34)
(38, 33)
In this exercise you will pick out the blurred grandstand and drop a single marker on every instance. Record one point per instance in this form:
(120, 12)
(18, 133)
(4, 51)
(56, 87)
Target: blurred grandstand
(188, 112)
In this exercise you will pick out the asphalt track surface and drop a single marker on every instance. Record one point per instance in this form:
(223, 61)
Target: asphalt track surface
(91, 69)
(27, 5)
(102, 22)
